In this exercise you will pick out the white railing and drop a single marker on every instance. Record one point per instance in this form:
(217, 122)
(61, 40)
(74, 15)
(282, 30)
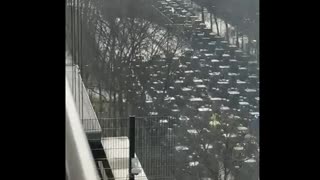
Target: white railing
(79, 160)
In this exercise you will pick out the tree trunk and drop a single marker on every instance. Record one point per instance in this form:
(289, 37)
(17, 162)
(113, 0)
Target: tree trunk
(227, 31)
(237, 173)
(120, 104)
(120, 107)
(237, 36)
(114, 103)
(202, 14)
(242, 43)
(249, 45)
(166, 83)
(100, 99)
(225, 173)
(217, 24)
(127, 101)
(110, 102)
(112, 67)
(211, 25)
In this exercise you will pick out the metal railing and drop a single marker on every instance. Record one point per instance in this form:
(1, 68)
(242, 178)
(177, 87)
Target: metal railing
(79, 160)
(152, 142)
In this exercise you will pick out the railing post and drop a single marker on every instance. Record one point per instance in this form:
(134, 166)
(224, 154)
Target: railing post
(131, 144)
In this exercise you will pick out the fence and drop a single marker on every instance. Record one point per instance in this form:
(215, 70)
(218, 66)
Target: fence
(152, 141)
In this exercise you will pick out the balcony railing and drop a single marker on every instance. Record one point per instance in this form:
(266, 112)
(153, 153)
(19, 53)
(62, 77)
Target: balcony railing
(79, 160)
